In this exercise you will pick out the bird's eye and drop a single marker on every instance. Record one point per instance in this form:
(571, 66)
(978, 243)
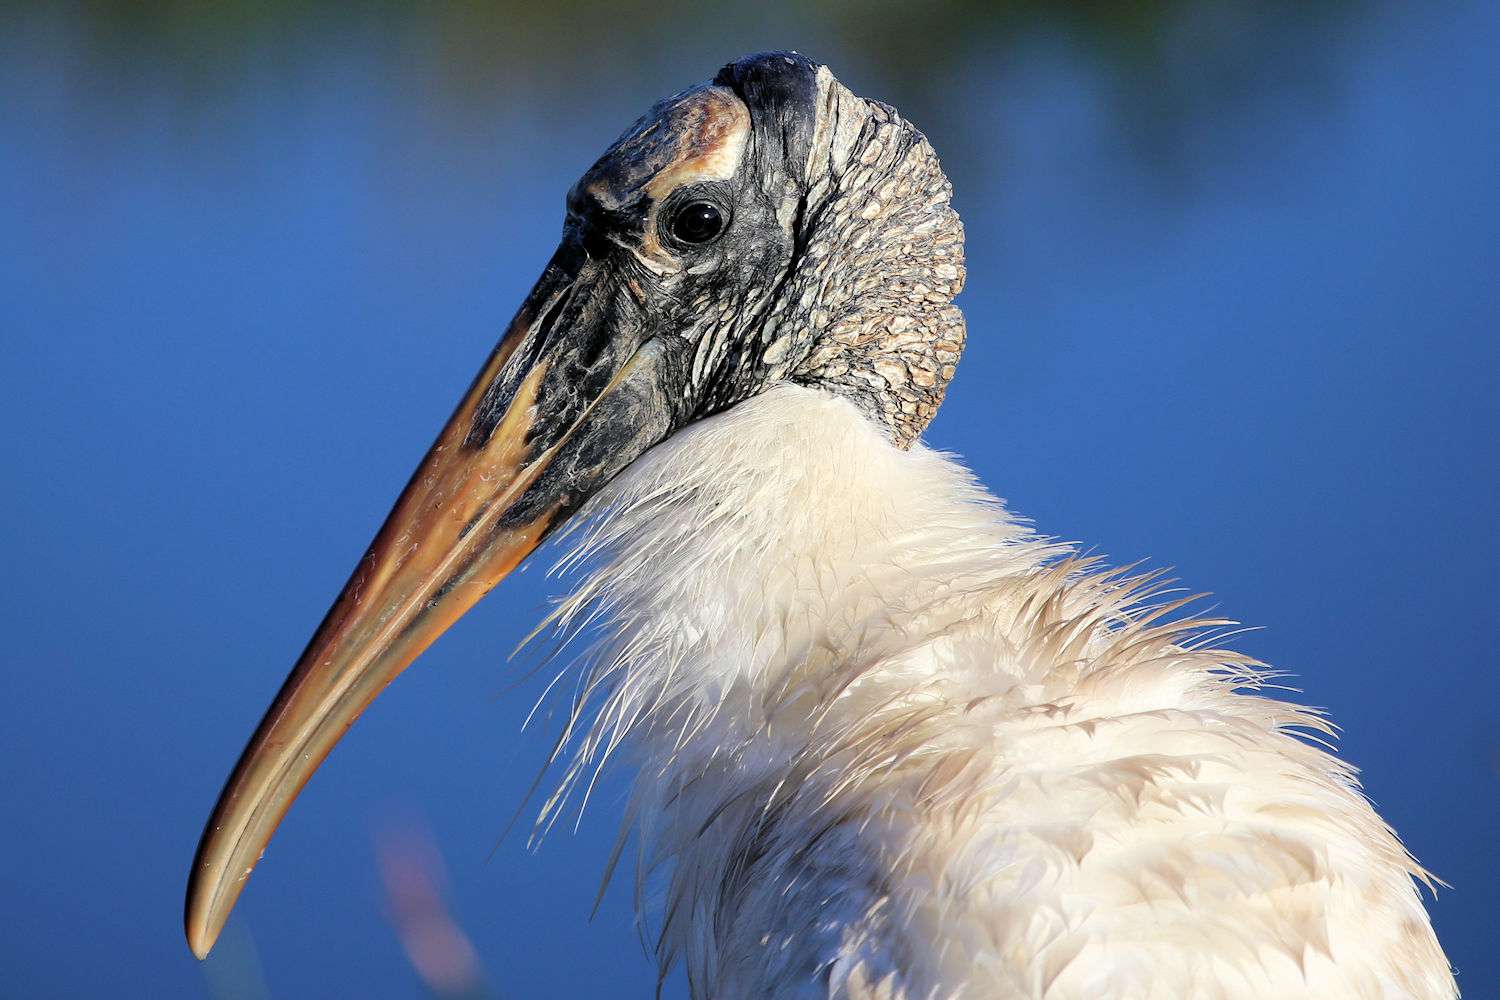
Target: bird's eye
(698, 222)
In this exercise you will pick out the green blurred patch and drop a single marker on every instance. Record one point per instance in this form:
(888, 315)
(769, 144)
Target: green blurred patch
(1160, 64)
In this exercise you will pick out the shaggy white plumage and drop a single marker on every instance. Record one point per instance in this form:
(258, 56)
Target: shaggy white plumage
(892, 744)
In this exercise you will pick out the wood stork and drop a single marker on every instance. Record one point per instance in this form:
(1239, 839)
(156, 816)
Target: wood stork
(891, 743)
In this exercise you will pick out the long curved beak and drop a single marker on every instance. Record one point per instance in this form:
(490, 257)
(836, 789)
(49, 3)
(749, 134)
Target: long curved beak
(570, 396)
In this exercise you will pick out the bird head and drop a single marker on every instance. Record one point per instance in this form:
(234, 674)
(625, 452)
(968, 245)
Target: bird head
(767, 227)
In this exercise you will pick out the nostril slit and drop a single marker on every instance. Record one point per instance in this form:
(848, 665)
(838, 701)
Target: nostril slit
(544, 328)
(498, 397)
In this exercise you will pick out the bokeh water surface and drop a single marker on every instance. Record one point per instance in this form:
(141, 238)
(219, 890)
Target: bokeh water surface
(1233, 308)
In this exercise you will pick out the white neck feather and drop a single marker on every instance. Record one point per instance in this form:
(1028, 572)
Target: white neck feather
(889, 739)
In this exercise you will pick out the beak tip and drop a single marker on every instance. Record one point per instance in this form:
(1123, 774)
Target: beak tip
(200, 941)
(201, 924)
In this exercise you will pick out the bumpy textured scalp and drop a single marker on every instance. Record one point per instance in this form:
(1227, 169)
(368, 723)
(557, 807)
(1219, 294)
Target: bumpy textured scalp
(867, 309)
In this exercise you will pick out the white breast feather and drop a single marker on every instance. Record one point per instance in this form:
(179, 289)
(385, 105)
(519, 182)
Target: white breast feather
(892, 744)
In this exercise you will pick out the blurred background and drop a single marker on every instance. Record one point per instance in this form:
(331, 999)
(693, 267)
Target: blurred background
(1233, 308)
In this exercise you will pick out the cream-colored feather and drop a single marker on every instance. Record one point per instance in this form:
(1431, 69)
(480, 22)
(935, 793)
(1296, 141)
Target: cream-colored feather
(893, 744)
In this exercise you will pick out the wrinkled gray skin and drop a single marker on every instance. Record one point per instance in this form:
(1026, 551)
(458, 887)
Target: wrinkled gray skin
(841, 261)
(836, 268)
(867, 308)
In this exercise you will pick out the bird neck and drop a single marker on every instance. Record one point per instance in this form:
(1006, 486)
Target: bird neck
(859, 690)
(768, 575)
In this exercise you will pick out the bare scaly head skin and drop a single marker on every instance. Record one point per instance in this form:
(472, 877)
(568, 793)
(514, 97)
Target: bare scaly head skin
(839, 261)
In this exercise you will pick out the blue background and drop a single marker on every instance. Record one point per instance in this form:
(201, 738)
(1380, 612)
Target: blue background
(1233, 305)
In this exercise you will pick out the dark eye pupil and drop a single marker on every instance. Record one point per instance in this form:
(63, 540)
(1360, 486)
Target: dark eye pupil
(697, 223)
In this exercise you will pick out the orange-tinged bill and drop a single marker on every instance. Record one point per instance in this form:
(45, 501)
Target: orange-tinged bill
(454, 533)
